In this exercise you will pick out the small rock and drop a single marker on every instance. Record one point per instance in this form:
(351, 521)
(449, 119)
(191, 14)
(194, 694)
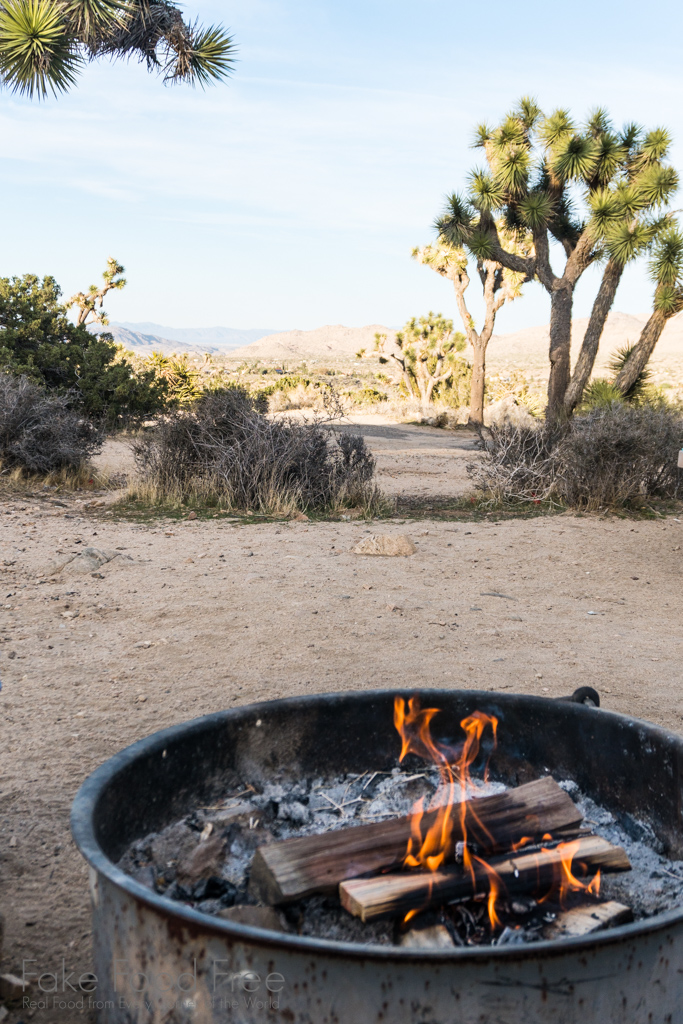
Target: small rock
(192, 515)
(436, 937)
(13, 841)
(4, 1013)
(143, 643)
(70, 615)
(386, 544)
(141, 698)
(97, 575)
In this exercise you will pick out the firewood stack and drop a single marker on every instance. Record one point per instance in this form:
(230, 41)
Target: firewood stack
(523, 847)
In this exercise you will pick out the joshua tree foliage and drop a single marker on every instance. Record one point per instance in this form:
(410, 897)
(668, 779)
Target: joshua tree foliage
(666, 269)
(183, 381)
(427, 352)
(597, 193)
(45, 43)
(499, 285)
(89, 304)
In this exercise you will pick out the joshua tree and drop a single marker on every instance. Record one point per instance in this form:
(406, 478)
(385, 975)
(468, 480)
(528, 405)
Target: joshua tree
(45, 43)
(427, 354)
(599, 193)
(499, 284)
(89, 304)
(666, 268)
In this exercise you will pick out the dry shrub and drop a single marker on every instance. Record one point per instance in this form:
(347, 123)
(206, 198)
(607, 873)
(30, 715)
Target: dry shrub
(299, 397)
(39, 433)
(614, 457)
(223, 451)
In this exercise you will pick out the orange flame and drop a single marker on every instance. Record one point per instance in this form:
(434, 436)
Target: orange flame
(431, 831)
(496, 887)
(565, 881)
(429, 850)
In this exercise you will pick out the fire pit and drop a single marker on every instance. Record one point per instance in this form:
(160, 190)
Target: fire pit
(159, 960)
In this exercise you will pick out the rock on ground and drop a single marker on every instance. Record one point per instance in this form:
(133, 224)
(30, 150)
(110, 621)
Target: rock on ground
(385, 544)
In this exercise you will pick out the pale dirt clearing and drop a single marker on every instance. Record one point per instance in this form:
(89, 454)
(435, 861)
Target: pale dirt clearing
(234, 614)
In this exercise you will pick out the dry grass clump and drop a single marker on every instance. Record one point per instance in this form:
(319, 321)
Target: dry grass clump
(224, 452)
(40, 434)
(614, 457)
(299, 397)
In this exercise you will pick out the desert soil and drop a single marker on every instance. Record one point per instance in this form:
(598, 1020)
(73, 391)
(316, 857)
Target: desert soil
(210, 614)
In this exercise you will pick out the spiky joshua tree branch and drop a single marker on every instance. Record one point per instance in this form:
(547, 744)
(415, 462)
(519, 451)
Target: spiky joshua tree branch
(45, 43)
(597, 193)
(89, 304)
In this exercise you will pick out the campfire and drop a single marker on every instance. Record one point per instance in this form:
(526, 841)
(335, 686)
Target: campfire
(471, 863)
(363, 856)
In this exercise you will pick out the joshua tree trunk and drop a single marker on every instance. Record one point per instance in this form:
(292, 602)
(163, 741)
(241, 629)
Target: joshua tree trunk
(640, 356)
(591, 339)
(491, 275)
(478, 382)
(562, 298)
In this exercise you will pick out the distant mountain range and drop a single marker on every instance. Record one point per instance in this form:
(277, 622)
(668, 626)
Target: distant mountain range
(526, 348)
(333, 341)
(151, 337)
(529, 347)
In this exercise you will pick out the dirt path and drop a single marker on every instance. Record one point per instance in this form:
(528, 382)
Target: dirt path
(415, 460)
(209, 615)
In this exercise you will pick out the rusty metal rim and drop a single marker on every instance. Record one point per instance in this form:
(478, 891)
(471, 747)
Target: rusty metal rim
(82, 829)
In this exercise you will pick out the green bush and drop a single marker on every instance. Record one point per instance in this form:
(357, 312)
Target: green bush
(39, 341)
(455, 392)
(367, 395)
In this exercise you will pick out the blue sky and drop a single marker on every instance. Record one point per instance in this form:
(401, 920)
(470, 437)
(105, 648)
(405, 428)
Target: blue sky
(293, 196)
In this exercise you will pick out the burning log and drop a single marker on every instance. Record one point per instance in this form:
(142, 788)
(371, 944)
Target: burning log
(397, 894)
(591, 917)
(289, 870)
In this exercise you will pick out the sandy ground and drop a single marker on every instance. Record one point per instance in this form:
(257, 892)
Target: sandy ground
(234, 614)
(417, 461)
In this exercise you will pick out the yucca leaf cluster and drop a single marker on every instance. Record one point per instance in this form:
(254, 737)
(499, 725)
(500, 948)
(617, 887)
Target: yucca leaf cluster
(45, 43)
(572, 181)
(600, 193)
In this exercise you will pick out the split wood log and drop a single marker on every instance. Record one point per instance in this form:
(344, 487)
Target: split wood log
(289, 870)
(590, 917)
(393, 895)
